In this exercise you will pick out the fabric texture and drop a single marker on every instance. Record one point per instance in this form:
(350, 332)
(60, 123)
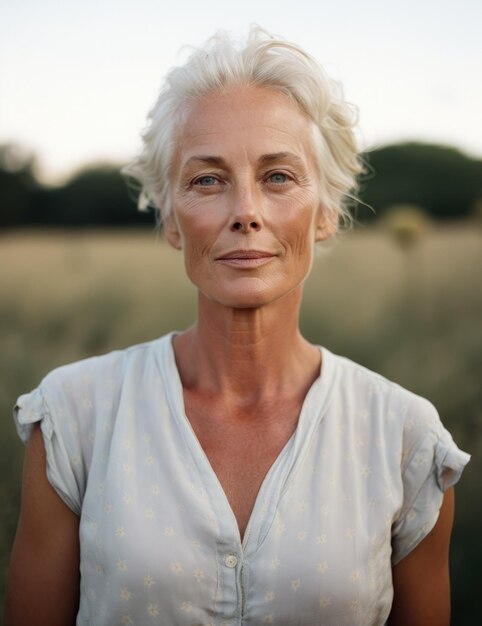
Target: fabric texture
(355, 489)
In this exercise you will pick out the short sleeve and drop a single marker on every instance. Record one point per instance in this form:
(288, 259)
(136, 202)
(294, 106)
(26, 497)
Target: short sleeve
(65, 469)
(431, 464)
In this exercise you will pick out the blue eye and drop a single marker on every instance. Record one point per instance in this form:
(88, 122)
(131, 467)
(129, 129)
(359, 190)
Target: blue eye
(278, 178)
(206, 181)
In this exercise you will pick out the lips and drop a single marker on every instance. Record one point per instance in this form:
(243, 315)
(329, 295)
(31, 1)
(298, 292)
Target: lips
(245, 254)
(246, 259)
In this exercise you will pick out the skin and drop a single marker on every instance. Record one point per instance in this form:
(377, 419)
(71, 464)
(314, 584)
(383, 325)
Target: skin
(421, 580)
(244, 178)
(43, 577)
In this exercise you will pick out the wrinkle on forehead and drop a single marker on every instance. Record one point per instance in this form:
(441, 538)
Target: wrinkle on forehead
(239, 114)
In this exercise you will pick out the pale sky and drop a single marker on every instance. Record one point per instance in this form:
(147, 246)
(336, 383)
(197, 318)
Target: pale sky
(77, 78)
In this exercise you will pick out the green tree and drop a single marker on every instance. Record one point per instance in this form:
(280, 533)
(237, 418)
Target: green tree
(441, 179)
(96, 196)
(17, 185)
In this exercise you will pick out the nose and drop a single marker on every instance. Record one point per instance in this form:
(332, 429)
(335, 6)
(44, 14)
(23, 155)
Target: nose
(245, 226)
(246, 217)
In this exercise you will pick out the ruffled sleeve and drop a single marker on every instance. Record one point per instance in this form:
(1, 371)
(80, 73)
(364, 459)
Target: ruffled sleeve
(431, 464)
(65, 468)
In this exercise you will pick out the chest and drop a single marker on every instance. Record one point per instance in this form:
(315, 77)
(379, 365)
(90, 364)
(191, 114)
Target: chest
(241, 448)
(157, 533)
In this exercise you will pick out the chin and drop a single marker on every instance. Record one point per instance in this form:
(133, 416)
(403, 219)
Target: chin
(249, 298)
(246, 301)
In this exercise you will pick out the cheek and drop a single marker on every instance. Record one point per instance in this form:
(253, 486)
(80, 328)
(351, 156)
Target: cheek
(297, 228)
(198, 237)
(198, 227)
(299, 243)
(302, 253)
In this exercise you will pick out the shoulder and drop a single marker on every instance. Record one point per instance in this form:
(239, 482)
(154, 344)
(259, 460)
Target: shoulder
(374, 393)
(78, 397)
(77, 406)
(84, 382)
(113, 364)
(401, 422)
(403, 435)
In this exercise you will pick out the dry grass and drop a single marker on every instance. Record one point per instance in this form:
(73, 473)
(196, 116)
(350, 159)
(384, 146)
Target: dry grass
(411, 313)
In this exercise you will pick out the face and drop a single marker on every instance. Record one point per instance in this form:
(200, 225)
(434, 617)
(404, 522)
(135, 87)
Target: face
(246, 203)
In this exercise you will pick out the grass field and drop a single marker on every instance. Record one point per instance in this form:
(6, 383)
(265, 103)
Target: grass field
(412, 313)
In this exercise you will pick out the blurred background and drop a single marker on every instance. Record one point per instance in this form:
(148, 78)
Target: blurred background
(82, 272)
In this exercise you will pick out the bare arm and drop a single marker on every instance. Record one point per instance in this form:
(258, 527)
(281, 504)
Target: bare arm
(43, 577)
(421, 580)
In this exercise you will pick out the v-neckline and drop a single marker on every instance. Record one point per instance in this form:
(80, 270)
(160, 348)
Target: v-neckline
(279, 474)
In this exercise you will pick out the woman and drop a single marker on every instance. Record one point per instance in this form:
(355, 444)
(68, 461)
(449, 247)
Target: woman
(234, 473)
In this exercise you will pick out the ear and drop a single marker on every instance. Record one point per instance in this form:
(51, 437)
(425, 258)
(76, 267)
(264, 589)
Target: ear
(171, 231)
(325, 225)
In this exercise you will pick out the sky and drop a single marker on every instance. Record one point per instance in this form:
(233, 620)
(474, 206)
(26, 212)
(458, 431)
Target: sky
(78, 78)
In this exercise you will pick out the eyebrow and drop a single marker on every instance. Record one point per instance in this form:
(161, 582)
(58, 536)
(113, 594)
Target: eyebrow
(207, 160)
(265, 159)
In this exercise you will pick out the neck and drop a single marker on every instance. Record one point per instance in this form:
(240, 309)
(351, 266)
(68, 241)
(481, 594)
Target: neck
(247, 354)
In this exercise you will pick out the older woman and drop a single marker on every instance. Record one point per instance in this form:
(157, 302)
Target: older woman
(234, 473)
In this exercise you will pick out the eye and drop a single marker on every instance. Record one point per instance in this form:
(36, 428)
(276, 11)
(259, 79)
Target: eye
(278, 178)
(206, 181)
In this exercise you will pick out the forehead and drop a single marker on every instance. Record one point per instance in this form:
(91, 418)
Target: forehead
(254, 120)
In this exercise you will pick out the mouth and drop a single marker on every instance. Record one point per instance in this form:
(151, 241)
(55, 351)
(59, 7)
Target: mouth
(246, 258)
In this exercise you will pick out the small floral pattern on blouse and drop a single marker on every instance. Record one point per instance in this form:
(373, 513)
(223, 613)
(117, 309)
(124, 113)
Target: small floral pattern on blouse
(355, 489)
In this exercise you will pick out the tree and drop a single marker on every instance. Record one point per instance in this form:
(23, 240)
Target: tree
(96, 196)
(17, 185)
(441, 179)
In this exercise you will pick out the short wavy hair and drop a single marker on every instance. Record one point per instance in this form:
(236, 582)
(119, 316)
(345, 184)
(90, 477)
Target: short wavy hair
(261, 60)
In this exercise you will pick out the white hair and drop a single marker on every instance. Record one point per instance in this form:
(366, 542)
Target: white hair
(261, 60)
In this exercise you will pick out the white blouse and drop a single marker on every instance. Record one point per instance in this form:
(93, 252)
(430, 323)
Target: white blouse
(355, 489)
